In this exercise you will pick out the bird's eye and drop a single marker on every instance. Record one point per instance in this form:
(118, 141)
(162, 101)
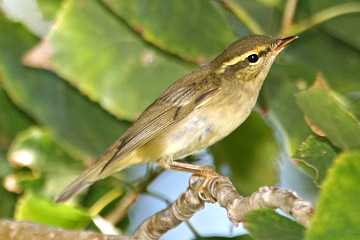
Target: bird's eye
(253, 58)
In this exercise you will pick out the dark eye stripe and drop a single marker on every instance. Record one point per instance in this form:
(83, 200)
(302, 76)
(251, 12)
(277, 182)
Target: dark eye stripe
(237, 66)
(262, 53)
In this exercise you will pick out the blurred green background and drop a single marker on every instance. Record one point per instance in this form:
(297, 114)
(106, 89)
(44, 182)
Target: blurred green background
(74, 74)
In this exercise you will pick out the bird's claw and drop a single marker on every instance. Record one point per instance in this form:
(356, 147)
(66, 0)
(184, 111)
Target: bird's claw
(208, 173)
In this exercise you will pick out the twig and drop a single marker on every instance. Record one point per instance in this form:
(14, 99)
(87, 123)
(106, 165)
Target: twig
(288, 16)
(323, 16)
(238, 207)
(244, 17)
(122, 207)
(11, 230)
(104, 201)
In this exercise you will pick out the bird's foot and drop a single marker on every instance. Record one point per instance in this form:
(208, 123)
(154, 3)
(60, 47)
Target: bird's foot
(207, 173)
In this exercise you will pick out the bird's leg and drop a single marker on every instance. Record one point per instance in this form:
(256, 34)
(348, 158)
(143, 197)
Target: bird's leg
(198, 170)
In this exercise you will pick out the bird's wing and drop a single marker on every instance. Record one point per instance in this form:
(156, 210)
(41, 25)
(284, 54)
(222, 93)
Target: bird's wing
(176, 103)
(166, 111)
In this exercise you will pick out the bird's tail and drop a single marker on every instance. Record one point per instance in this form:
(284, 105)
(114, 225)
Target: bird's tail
(92, 174)
(87, 178)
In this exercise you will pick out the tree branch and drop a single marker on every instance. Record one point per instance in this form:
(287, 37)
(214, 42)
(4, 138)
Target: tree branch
(220, 189)
(25, 230)
(217, 188)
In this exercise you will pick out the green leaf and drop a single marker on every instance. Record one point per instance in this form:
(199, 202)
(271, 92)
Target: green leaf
(78, 124)
(108, 62)
(339, 125)
(49, 8)
(316, 156)
(12, 120)
(266, 224)
(296, 70)
(190, 25)
(337, 215)
(42, 211)
(250, 151)
(51, 166)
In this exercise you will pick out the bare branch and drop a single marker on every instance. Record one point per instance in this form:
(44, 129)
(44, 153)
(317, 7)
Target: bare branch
(11, 230)
(179, 211)
(238, 207)
(218, 188)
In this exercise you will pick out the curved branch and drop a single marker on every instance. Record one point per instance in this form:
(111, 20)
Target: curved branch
(238, 207)
(323, 16)
(179, 211)
(217, 188)
(220, 189)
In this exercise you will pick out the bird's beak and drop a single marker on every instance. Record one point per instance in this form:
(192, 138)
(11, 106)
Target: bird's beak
(281, 43)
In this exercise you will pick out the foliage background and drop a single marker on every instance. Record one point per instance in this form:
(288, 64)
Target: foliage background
(103, 62)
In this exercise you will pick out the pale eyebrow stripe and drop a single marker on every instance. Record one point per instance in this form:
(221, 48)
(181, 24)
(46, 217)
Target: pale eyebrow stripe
(233, 61)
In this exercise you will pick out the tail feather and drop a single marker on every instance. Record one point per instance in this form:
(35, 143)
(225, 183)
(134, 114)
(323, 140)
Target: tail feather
(95, 172)
(79, 184)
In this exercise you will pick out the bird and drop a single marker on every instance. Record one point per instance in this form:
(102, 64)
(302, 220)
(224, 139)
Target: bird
(195, 112)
